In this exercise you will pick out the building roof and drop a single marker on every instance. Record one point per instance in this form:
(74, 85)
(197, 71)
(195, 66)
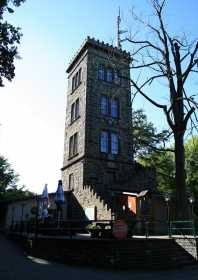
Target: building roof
(34, 196)
(92, 42)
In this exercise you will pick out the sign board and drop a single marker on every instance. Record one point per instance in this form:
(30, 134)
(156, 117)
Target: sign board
(90, 212)
(120, 229)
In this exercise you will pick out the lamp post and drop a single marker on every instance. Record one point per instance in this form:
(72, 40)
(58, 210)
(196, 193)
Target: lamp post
(192, 200)
(167, 200)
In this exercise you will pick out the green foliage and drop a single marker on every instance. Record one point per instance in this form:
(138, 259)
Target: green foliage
(8, 178)
(10, 38)
(191, 152)
(163, 163)
(5, 6)
(8, 183)
(93, 227)
(145, 136)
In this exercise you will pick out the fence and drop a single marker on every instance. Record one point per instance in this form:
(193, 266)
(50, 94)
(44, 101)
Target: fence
(104, 228)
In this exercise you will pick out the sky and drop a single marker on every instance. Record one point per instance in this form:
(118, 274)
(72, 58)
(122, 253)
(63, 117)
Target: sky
(33, 105)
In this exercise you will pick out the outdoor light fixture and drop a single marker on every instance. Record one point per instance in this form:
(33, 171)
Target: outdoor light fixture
(167, 198)
(191, 199)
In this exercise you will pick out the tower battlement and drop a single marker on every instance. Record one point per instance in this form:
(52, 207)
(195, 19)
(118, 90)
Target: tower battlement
(97, 44)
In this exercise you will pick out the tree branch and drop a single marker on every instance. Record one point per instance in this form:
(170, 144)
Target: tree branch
(147, 43)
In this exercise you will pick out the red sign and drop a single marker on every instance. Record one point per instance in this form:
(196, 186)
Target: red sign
(120, 229)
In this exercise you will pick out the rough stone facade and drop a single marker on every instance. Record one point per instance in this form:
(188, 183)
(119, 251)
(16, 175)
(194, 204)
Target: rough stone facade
(95, 173)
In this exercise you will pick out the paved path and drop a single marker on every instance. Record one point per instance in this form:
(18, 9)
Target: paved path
(15, 265)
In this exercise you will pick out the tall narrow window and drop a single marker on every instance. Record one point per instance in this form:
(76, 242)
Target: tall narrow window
(76, 80)
(104, 105)
(104, 142)
(114, 143)
(79, 76)
(72, 112)
(109, 75)
(114, 108)
(77, 109)
(71, 181)
(73, 145)
(101, 72)
(73, 83)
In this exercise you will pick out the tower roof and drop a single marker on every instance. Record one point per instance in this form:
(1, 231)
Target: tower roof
(92, 42)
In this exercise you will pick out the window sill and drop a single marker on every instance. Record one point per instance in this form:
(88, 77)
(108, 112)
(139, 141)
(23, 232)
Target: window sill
(73, 156)
(110, 83)
(109, 155)
(110, 119)
(76, 88)
(74, 120)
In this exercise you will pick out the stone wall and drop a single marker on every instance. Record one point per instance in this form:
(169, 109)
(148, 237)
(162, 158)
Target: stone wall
(111, 253)
(96, 173)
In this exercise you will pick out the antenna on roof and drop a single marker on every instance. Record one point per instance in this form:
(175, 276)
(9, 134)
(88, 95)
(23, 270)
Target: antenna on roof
(118, 43)
(119, 32)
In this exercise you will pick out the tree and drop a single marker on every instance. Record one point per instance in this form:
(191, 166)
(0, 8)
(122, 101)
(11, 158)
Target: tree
(8, 182)
(8, 178)
(191, 152)
(173, 60)
(163, 164)
(145, 136)
(9, 39)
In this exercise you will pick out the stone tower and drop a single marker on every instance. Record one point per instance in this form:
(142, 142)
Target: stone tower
(98, 144)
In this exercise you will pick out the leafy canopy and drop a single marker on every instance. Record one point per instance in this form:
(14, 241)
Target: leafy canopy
(9, 39)
(164, 165)
(8, 182)
(145, 136)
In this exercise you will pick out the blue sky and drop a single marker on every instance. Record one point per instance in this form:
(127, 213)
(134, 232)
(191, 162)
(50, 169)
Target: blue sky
(32, 107)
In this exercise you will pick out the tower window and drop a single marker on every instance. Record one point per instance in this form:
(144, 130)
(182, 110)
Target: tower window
(72, 112)
(114, 143)
(114, 108)
(109, 75)
(75, 110)
(71, 181)
(73, 145)
(104, 105)
(109, 142)
(101, 73)
(76, 80)
(109, 107)
(104, 142)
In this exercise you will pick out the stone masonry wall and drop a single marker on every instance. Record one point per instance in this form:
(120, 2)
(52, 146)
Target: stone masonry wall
(94, 172)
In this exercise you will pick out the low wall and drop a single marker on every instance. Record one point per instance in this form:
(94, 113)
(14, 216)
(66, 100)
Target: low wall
(111, 253)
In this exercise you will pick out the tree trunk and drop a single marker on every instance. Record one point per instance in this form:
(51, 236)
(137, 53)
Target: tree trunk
(182, 212)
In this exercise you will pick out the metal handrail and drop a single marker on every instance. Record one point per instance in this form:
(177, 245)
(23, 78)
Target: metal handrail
(174, 227)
